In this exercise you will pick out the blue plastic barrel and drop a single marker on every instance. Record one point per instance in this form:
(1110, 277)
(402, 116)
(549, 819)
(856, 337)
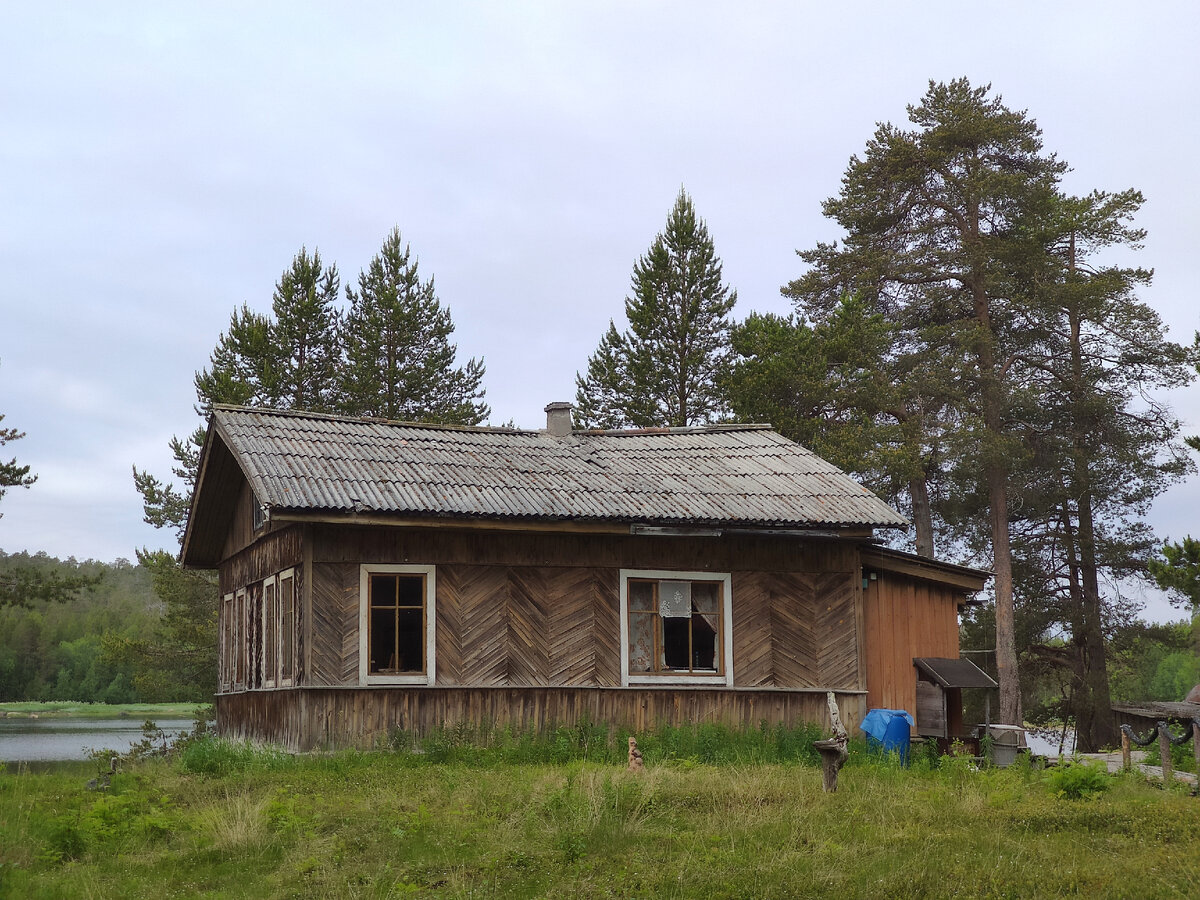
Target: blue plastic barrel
(888, 731)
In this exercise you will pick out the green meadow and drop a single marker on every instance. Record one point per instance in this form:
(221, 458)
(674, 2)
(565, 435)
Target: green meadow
(714, 814)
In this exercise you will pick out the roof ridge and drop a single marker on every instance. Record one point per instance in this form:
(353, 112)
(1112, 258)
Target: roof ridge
(367, 420)
(674, 429)
(491, 429)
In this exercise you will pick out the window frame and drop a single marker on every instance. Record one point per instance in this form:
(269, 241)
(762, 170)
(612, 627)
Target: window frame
(240, 640)
(272, 626)
(365, 571)
(228, 643)
(724, 676)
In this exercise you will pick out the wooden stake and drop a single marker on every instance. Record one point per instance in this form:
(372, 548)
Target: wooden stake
(1164, 752)
(1126, 762)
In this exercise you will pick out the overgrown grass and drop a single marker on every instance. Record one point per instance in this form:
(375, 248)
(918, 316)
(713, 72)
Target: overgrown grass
(714, 814)
(485, 745)
(68, 709)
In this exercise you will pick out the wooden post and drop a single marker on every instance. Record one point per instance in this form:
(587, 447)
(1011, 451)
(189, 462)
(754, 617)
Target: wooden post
(833, 751)
(1126, 763)
(1164, 752)
(1196, 741)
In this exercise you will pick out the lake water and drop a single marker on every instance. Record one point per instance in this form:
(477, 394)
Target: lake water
(52, 740)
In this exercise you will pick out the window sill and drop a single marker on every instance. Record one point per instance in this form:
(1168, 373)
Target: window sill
(679, 678)
(412, 678)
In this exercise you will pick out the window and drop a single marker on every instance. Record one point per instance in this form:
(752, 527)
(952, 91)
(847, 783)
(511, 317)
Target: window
(239, 638)
(228, 641)
(395, 624)
(278, 617)
(675, 627)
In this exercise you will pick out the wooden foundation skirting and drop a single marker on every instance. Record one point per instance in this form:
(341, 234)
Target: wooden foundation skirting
(302, 719)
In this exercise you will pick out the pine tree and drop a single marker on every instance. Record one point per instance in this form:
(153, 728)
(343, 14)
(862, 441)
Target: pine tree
(11, 474)
(288, 360)
(1103, 446)
(837, 387)
(933, 219)
(400, 363)
(663, 370)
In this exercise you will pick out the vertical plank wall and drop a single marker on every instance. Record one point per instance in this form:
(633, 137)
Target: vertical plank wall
(904, 618)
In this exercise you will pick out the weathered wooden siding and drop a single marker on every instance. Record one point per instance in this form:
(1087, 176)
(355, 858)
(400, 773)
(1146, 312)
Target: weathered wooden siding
(315, 718)
(270, 555)
(905, 618)
(543, 610)
(732, 553)
(241, 526)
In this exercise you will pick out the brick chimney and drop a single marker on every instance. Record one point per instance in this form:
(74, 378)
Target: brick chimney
(558, 419)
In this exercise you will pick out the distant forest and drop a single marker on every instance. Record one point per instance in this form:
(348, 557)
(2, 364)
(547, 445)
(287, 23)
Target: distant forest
(70, 648)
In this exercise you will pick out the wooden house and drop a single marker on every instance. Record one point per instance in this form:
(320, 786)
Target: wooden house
(378, 575)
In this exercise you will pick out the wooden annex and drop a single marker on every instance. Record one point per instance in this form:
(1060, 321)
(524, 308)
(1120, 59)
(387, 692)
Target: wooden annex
(378, 575)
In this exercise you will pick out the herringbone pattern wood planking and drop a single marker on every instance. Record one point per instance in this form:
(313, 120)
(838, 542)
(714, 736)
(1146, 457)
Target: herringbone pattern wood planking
(448, 625)
(329, 624)
(607, 628)
(752, 663)
(793, 631)
(483, 611)
(838, 647)
(528, 637)
(571, 624)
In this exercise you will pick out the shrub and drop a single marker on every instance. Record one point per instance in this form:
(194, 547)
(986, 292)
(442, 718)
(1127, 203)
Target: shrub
(1077, 779)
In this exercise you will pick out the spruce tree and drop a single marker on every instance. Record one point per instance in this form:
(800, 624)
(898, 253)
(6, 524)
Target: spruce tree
(400, 363)
(664, 369)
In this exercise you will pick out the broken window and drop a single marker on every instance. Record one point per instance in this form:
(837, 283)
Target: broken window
(675, 626)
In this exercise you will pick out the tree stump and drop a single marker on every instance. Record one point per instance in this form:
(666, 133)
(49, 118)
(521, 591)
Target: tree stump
(832, 750)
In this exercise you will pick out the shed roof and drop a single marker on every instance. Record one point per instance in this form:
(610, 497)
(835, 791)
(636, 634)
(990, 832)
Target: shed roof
(744, 475)
(954, 673)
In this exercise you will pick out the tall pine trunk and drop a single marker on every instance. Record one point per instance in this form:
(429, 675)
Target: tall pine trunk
(922, 516)
(996, 477)
(1094, 725)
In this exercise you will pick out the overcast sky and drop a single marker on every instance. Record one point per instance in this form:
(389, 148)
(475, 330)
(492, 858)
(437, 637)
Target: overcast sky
(161, 165)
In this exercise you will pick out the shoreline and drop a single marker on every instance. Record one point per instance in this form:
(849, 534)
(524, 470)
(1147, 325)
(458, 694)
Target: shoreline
(69, 709)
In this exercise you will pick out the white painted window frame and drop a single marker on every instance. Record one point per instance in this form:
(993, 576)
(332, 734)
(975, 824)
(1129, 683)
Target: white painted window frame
(227, 642)
(275, 679)
(241, 659)
(286, 575)
(726, 582)
(365, 571)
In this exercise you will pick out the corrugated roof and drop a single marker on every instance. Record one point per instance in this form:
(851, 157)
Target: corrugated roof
(730, 475)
